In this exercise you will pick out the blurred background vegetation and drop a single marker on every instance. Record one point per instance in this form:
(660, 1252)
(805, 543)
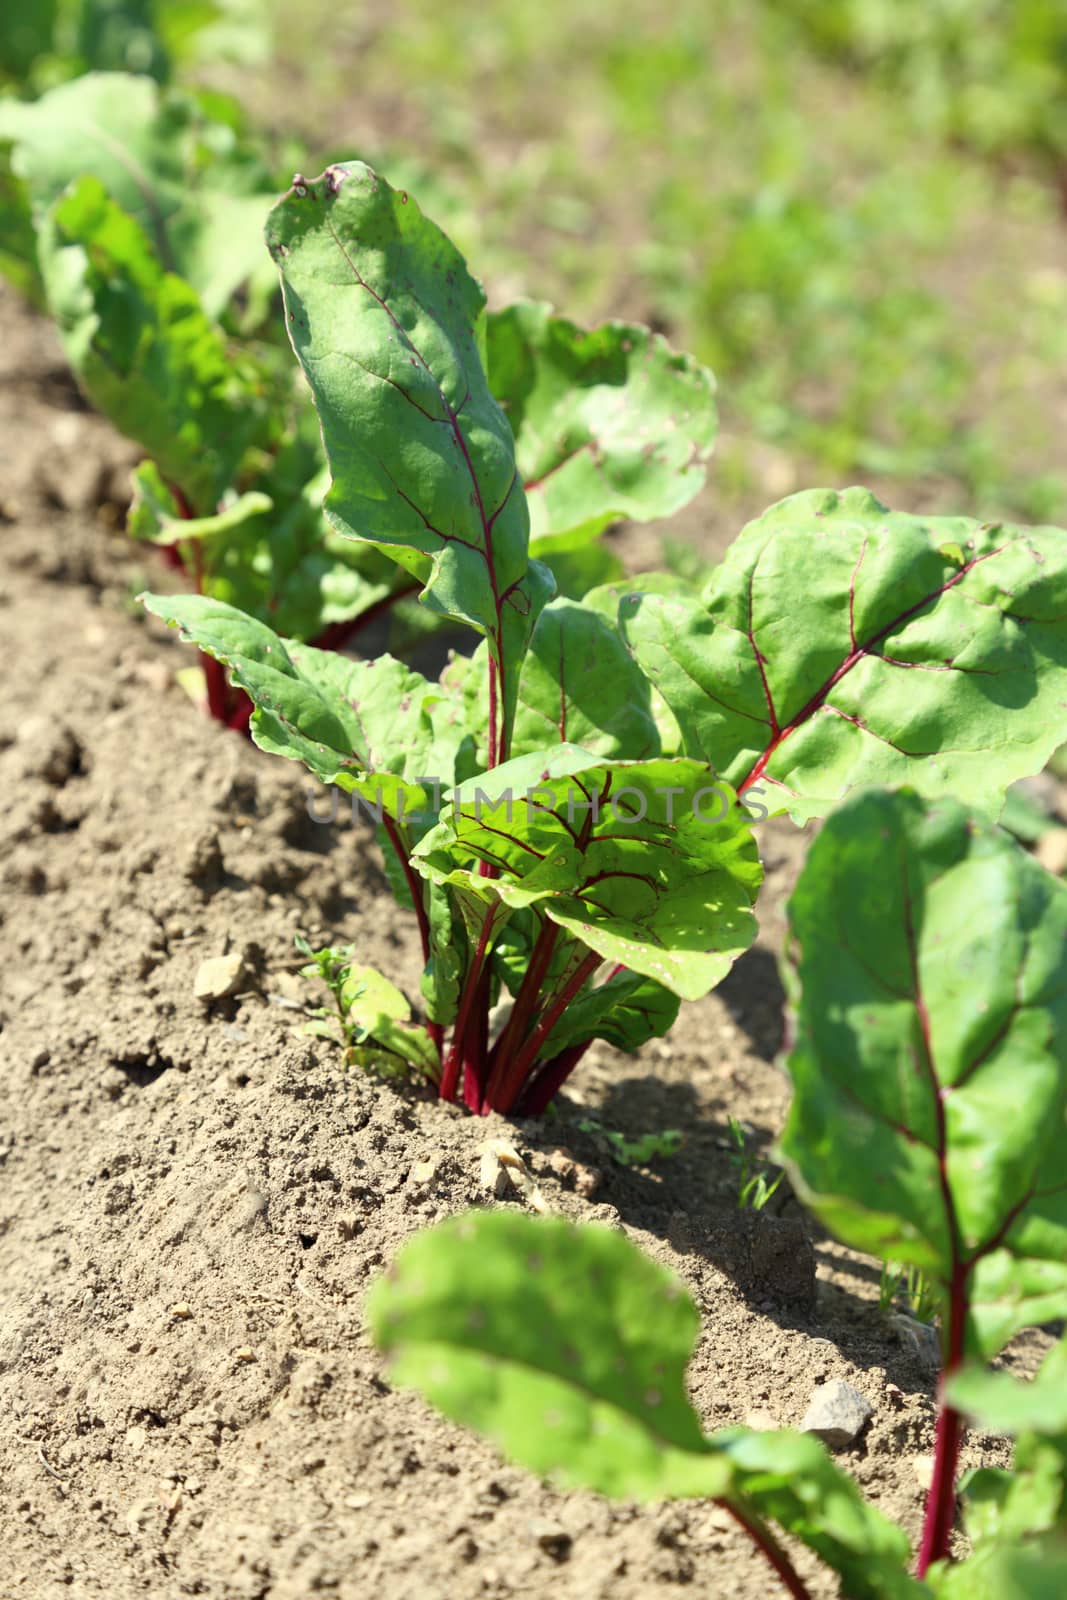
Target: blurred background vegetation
(853, 210)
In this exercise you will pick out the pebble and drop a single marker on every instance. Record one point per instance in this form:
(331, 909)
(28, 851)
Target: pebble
(585, 1181)
(836, 1414)
(492, 1176)
(923, 1468)
(501, 1168)
(219, 976)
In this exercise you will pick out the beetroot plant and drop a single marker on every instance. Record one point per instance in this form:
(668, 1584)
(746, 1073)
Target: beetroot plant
(928, 1126)
(568, 811)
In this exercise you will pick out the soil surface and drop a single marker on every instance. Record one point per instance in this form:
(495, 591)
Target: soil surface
(194, 1198)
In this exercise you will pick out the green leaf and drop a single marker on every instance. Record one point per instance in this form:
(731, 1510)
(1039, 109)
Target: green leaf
(608, 424)
(636, 860)
(929, 1119)
(27, 34)
(382, 1017)
(1031, 1499)
(579, 685)
(388, 325)
(564, 1345)
(1005, 1405)
(567, 1348)
(838, 645)
(155, 515)
(143, 349)
(443, 976)
(1002, 1505)
(18, 239)
(121, 34)
(639, 1152)
(369, 998)
(274, 559)
(194, 187)
(627, 1011)
(373, 728)
(788, 1478)
(1031, 1571)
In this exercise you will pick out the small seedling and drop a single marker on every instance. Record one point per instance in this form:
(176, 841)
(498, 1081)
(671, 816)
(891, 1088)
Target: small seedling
(754, 1187)
(908, 1284)
(332, 966)
(637, 1152)
(370, 1017)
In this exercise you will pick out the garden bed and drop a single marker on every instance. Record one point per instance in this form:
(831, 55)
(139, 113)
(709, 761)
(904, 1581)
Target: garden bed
(195, 1197)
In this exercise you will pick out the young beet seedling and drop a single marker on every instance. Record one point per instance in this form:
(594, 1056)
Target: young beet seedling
(929, 1125)
(370, 1015)
(755, 1189)
(568, 812)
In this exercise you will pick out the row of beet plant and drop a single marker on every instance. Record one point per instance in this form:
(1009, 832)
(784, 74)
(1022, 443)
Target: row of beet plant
(928, 1127)
(135, 215)
(569, 810)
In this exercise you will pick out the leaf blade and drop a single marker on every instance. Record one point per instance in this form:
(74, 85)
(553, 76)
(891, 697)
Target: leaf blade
(387, 323)
(904, 916)
(376, 728)
(653, 883)
(490, 1316)
(841, 644)
(143, 348)
(609, 424)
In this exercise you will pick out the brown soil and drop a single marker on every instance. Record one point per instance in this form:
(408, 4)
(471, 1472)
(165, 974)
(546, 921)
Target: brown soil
(194, 1199)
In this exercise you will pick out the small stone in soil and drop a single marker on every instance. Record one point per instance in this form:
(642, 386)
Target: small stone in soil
(572, 1174)
(219, 976)
(836, 1414)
